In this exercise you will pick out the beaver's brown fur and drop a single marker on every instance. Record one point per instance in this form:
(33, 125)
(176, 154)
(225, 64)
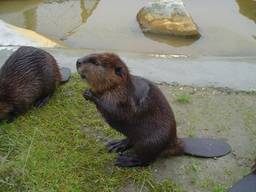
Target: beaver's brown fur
(29, 76)
(133, 106)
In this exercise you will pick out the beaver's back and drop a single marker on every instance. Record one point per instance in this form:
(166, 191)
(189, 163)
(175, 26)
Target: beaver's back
(27, 75)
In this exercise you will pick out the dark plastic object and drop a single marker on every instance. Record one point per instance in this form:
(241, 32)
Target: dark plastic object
(247, 184)
(65, 74)
(204, 147)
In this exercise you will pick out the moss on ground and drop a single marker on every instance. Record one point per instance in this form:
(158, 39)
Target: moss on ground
(57, 148)
(61, 146)
(183, 99)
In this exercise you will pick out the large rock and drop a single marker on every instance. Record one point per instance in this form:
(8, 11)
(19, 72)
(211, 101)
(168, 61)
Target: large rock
(14, 36)
(167, 17)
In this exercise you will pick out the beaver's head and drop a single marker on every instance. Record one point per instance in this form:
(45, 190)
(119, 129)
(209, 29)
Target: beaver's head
(103, 71)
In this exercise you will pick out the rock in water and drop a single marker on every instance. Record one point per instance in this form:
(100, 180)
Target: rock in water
(168, 17)
(11, 35)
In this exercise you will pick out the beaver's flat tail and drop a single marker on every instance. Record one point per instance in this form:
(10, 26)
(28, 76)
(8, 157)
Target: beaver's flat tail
(205, 147)
(65, 74)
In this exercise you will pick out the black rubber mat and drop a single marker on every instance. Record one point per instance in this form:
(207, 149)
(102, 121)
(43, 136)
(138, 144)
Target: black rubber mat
(247, 184)
(65, 74)
(204, 147)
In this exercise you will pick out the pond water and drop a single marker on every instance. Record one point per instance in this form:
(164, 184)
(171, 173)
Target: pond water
(227, 28)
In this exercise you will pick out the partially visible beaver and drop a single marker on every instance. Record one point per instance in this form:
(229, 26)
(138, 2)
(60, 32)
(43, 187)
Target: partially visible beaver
(28, 77)
(133, 106)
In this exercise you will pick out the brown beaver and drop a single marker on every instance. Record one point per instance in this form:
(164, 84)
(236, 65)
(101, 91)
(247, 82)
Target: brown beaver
(133, 106)
(28, 77)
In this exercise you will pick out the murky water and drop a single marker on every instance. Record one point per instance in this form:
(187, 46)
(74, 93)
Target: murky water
(228, 28)
(248, 8)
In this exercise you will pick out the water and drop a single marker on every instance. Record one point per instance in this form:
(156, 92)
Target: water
(228, 28)
(248, 8)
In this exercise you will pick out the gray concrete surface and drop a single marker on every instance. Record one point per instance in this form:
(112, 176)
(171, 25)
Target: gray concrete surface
(233, 72)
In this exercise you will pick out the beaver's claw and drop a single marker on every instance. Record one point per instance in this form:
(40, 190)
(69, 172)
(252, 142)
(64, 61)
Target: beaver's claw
(88, 95)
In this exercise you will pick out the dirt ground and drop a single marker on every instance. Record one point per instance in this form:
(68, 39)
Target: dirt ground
(212, 113)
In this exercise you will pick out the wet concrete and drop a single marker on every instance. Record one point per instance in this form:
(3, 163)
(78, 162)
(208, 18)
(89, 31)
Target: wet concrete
(232, 72)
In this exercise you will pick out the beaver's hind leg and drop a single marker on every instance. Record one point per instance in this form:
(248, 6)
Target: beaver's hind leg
(119, 145)
(129, 160)
(42, 102)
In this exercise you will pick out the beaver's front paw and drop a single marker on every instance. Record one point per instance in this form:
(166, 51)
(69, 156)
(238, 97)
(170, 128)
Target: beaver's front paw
(88, 95)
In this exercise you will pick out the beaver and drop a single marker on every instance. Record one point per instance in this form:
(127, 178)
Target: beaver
(132, 105)
(28, 77)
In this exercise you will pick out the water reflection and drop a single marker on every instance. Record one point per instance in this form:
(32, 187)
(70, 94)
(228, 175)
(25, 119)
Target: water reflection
(57, 19)
(247, 8)
(7, 6)
(171, 40)
(30, 19)
(84, 12)
(113, 25)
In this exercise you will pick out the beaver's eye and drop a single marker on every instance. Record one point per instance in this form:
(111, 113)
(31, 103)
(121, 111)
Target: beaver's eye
(119, 71)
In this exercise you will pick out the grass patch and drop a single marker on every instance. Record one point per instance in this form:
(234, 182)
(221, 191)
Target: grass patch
(218, 188)
(58, 148)
(183, 99)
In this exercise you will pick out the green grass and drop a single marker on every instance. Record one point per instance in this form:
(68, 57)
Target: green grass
(183, 99)
(218, 188)
(60, 147)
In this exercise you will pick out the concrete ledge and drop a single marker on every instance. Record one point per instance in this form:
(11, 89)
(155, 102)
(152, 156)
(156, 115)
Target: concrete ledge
(237, 73)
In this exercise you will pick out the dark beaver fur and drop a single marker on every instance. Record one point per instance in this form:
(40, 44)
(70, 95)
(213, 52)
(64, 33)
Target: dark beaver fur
(133, 106)
(28, 77)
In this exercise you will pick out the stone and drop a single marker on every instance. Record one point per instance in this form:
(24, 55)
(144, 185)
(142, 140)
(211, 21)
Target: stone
(168, 17)
(15, 36)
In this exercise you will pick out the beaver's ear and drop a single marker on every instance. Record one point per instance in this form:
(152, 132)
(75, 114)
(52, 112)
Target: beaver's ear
(119, 72)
